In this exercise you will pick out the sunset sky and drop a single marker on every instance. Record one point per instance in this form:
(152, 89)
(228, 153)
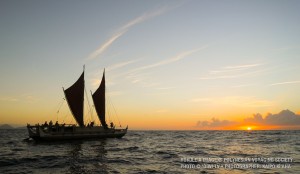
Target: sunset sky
(202, 64)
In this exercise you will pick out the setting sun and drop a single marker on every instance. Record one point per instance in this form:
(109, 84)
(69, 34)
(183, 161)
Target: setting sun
(249, 128)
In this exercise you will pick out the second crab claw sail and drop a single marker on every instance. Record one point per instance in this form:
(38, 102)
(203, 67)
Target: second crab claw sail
(99, 101)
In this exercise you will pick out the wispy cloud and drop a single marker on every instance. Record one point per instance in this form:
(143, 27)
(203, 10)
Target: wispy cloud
(9, 99)
(243, 85)
(176, 58)
(125, 28)
(97, 76)
(239, 101)
(229, 69)
(121, 64)
(133, 73)
(149, 84)
(165, 88)
(230, 72)
(232, 76)
(243, 66)
(140, 78)
(105, 45)
(135, 81)
(114, 93)
(285, 83)
(144, 17)
(30, 98)
(21, 98)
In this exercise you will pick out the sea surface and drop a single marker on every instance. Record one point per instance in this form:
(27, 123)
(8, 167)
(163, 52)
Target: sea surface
(155, 152)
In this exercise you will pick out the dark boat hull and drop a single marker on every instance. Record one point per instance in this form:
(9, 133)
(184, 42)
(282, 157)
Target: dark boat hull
(41, 133)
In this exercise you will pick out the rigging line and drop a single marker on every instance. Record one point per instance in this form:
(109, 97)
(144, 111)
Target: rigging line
(106, 109)
(110, 106)
(87, 113)
(66, 113)
(116, 113)
(65, 118)
(87, 120)
(92, 111)
(108, 113)
(61, 104)
(114, 110)
(88, 102)
(91, 119)
(107, 101)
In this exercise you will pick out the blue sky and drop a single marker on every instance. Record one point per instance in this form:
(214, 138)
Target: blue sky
(164, 59)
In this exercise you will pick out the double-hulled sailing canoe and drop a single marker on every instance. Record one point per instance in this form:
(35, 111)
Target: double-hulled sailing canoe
(75, 98)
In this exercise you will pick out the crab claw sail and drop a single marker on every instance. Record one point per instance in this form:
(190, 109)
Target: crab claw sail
(99, 101)
(75, 96)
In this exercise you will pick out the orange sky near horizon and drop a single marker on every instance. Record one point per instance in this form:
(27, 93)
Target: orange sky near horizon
(29, 113)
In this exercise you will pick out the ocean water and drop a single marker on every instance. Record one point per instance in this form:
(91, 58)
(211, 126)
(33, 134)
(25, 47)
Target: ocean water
(156, 152)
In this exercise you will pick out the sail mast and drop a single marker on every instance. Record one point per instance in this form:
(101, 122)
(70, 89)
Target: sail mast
(75, 99)
(99, 101)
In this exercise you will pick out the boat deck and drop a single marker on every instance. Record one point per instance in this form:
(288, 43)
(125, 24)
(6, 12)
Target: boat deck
(66, 132)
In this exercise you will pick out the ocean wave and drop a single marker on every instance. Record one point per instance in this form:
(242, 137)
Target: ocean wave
(146, 152)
